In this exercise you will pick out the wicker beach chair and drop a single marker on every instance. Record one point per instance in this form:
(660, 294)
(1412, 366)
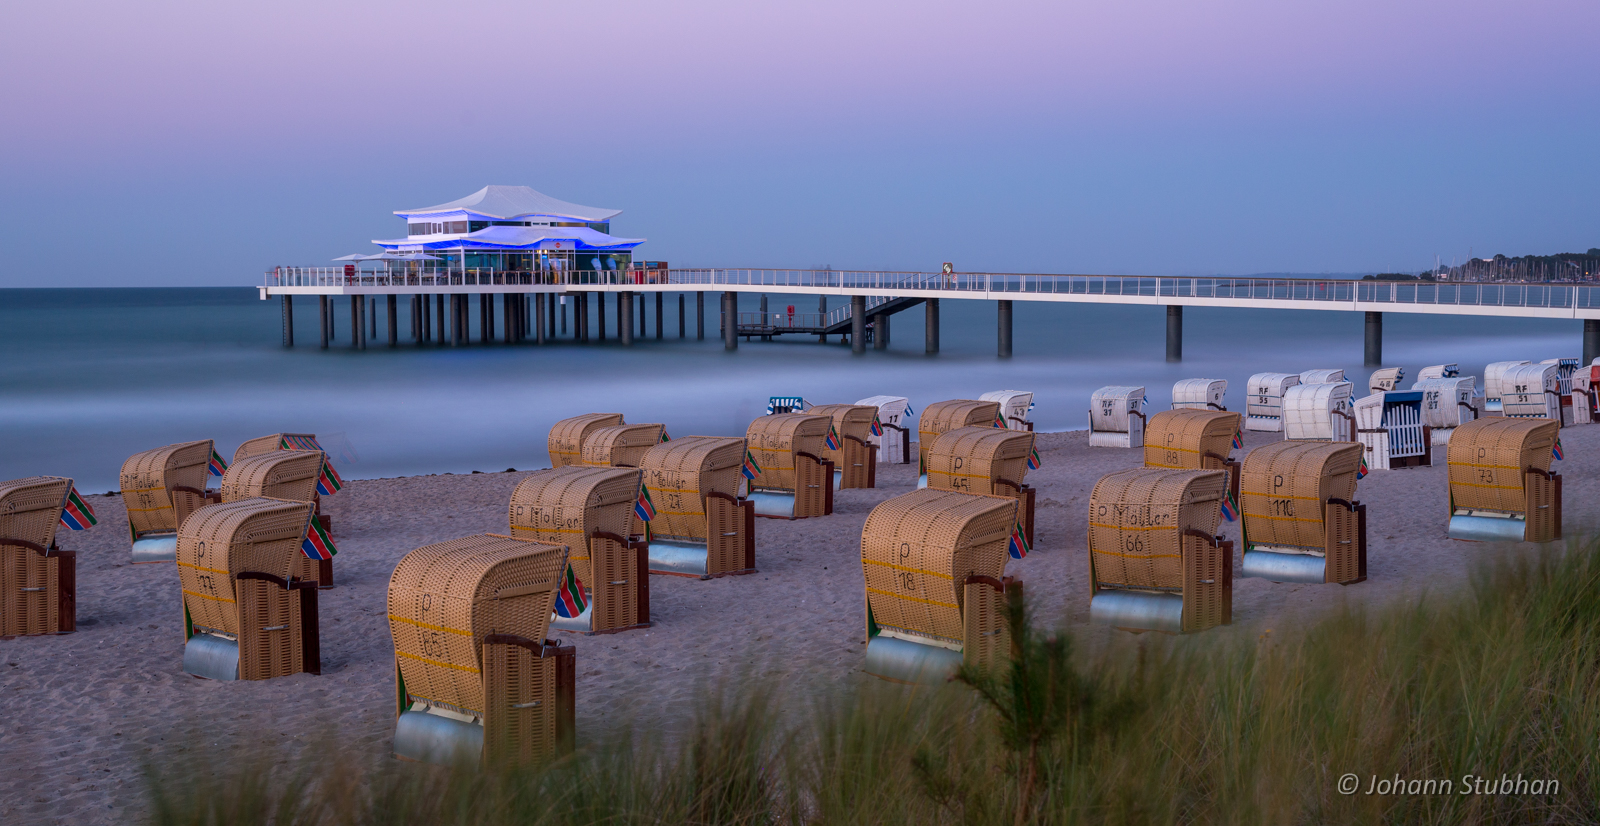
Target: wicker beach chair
(619, 445)
(246, 615)
(567, 436)
(1448, 403)
(475, 678)
(701, 527)
(1155, 561)
(941, 416)
(1385, 379)
(794, 481)
(160, 488)
(591, 511)
(283, 474)
(1302, 522)
(287, 441)
(1319, 412)
(38, 581)
(1117, 417)
(1495, 386)
(1199, 394)
(934, 563)
(1194, 440)
(1264, 400)
(1015, 406)
(894, 443)
(1501, 486)
(985, 460)
(855, 460)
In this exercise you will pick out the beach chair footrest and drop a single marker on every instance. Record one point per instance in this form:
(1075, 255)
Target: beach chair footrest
(903, 661)
(432, 738)
(159, 547)
(211, 657)
(1282, 567)
(1138, 610)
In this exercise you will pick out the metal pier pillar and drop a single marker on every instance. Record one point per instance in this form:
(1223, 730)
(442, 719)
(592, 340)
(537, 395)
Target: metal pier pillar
(642, 331)
(539, 313)
(438, 319)
(370, 304)
(930, 309)
(880, 331)
(858, 324)
(625, 317)
(659, 299)
(394, 320)
(682, 333)
(1374, 340)
(1004, 317)
(730, 320)
(764, 315)
(1174, 332)
(358, 327)
(600, 314)
(485, 318)
(1591, 342)
(822, 320)
(700, 315)
(288, 321)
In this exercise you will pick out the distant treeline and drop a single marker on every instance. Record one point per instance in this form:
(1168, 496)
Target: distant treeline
(1565, 266)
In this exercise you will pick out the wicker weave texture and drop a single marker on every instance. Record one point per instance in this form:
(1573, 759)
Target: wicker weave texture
(774, 440)
(267, 444)
(1136, 524)
(1489, 457)
(444, 598)
(681, 472)
(986, 636)
(269, 635)
(949, 415)
(918, 549)
(620, 445)
(567, 436)
(1286, 485)
(221, 541)
(30, 583)
(1190, 439)
(521, 714)
(971, 459)
(848, 420)
(148, 480)
(564, 506)
(281, 474)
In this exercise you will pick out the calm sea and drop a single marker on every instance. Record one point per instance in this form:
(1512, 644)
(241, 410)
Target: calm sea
(91, 376)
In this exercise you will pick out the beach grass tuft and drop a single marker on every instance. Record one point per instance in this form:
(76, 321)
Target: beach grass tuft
(1497, 682)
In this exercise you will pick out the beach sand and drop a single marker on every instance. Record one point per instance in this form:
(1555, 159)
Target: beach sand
(83, 715)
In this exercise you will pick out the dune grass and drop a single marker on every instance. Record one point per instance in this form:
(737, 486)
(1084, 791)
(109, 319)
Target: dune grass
(1501, 679)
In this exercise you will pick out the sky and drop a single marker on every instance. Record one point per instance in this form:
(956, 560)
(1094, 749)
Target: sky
(201, 143)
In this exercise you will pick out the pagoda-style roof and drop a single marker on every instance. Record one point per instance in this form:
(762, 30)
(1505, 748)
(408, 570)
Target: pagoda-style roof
(504, 203)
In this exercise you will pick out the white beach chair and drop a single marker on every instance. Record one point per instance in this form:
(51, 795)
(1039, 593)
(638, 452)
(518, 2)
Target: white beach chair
(1117, 417)
(1199, 394)
(1264, 400)
(1015, 405)
(1319, 412)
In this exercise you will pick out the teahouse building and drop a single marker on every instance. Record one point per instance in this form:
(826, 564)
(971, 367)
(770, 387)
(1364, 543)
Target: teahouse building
(517, 229)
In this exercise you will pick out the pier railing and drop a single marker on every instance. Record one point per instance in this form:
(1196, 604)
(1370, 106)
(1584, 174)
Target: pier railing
(882, 283)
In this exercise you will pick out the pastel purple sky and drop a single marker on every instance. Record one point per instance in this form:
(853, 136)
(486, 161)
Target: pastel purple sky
(201, 143)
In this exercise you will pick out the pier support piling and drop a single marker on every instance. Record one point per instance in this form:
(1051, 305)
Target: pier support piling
(1374, 340)
(700, 315)
(288, 321)
(642, 331)
(822, 320)
(730, 320)
(1591, 342)
(394, 320)
(659, 299)
(539, 314)
(370, 304)
(1004, 318)
(1174, 332)
(682, 316)
(880, 331)
(764, 315)
(357, 325)
(930, 310)
(625, 317)
(438, 319)
(858, 324)
(600, 315)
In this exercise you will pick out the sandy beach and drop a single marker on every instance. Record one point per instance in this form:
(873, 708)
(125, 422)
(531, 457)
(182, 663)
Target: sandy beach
(85, 713)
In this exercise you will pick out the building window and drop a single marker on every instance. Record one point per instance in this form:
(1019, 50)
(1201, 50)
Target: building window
(456, 227)
(419, 229)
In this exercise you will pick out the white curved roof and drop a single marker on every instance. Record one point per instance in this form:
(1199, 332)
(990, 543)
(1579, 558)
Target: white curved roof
(507, 202)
